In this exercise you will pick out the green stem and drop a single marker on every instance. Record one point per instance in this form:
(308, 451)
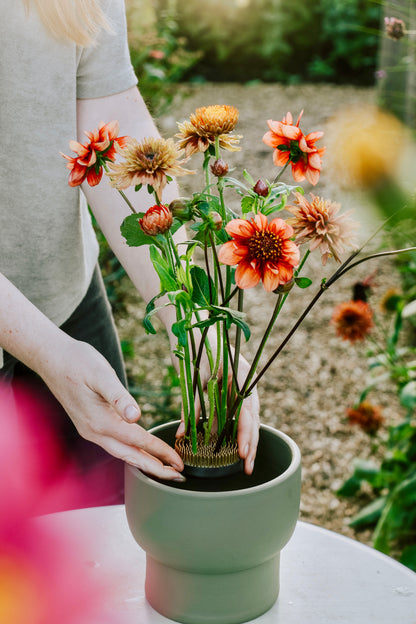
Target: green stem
(279, 175)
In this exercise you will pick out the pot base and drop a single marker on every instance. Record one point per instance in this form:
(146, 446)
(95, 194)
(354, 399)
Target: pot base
(193, 598)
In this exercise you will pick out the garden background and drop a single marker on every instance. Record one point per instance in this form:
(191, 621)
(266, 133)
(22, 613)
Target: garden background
(267, 57)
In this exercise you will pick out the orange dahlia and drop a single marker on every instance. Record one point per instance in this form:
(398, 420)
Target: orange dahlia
(261, 251)
(204, 125)
(318, 221)
(149, 162)
(366, 416)
(353, 320)
(90, 157)
(158, 219)
(290, 144)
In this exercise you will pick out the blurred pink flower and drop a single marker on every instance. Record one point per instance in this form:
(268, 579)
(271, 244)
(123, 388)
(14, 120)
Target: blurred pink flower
(42, 578)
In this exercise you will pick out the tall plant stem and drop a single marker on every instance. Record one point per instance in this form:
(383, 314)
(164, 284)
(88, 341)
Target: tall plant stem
(279, 175)
(220, 181)
(346, 266)
(122, 193)
(223, 295)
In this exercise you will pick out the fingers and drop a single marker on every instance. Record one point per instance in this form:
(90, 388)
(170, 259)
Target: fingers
(136, 437)
(248, 433)
(122, 401)
(140, 459)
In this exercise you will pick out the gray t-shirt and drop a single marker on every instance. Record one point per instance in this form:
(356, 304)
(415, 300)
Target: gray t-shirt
(48, 246)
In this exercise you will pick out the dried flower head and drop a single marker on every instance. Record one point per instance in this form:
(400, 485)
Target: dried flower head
(150, 162)
(90, 157)
(291, 145)
(353, 320)
(204, 125)
(261, 251)
(158, 219)
(366, 416)
(394, 28)
(318, 221)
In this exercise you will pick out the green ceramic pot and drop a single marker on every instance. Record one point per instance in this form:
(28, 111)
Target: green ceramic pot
(213, 545)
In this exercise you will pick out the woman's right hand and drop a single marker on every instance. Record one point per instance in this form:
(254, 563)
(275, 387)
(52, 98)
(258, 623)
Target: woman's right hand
(103, 411)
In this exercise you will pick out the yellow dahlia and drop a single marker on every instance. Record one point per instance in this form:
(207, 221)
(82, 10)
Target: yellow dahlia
(149, 162)
(204, 125)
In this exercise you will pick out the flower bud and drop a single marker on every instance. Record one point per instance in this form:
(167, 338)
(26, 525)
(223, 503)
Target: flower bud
(216, 220)
(219, 168)
(261, 188)
(285, 288)
(157, 220)
(181, 208)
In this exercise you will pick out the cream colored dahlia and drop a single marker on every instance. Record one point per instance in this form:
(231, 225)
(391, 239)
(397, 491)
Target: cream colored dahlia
(318, 221)
(149, 162)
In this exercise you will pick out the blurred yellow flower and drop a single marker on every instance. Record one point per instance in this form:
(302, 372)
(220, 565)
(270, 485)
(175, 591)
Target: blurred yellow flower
(365, 146)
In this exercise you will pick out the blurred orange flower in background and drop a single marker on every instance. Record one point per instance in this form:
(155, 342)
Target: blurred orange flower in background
(367, 416)
(353, 320)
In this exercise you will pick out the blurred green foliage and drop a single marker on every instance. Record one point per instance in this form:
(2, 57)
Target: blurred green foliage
(159, 55)
(392, 512)
(274, 40)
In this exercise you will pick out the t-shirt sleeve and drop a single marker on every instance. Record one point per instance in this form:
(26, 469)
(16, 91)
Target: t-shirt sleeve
(105, 68)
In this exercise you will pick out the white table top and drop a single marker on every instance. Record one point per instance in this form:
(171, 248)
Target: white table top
(326, 578)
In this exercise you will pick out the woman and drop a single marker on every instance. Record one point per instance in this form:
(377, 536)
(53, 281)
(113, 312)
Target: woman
(65, 67)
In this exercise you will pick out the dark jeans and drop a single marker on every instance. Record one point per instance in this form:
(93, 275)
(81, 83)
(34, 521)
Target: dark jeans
(91, 322)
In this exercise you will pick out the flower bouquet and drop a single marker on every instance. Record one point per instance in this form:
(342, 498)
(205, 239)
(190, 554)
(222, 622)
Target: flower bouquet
(205, 276)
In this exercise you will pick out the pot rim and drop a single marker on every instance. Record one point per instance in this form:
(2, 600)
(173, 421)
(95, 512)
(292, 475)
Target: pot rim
(292, 468)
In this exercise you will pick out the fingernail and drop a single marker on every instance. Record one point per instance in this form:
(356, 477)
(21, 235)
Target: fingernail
(246, 448)
(131, 413)
(177, 466)
(180, 479)
(181, 429)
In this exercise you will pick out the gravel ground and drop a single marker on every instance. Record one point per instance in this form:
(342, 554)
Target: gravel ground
(308, 388)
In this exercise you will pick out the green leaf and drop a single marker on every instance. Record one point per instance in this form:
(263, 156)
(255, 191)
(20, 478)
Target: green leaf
(369, 514)
(248, 177)
(179, 330)
(133, 233)
(366, 471)
(138, 187)
(350, 487)
(407, 395)
(201, 285)
(303, 282)
(167, 280)
(408, 557)
(147, 324)
(150, 311)
(233, 316)
(243, 326)
(247, 204)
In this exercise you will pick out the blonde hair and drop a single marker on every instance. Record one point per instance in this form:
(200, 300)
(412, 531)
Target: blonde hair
(77, 20)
